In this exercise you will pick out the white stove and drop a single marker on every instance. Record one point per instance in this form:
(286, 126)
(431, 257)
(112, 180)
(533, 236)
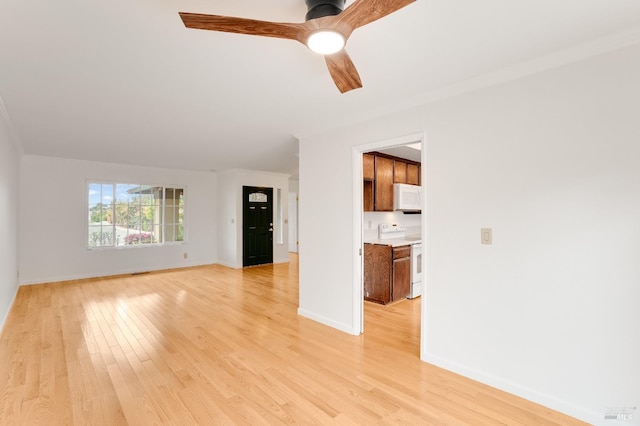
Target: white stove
(387, 231)
(416, 269)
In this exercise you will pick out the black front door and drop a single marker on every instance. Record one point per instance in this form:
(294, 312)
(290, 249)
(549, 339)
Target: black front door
(257, 225)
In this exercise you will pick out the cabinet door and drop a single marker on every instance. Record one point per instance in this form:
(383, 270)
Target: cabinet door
(413, 174)
(401, 278)
(383, 184)
(367, 195)
(377, 273)
(399, 171)
(367, 167)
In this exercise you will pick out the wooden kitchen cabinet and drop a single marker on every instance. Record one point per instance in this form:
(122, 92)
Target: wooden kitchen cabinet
(380, 172)
(377, 273)
(367, 196)
(401, 272)
(368, 174)
(413, 174)
(399, 171)
(387, 273)
(383, 185)
(368, 167)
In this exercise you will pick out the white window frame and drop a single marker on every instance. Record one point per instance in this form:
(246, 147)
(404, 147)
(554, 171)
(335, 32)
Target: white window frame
(164, 187)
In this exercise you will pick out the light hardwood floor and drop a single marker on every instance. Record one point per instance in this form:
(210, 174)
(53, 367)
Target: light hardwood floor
(213, 345)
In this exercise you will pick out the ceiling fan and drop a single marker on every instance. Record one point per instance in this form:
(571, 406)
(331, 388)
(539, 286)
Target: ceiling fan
(326, 30)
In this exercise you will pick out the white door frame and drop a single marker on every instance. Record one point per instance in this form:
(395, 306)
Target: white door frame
(358, 238)
(293, 222)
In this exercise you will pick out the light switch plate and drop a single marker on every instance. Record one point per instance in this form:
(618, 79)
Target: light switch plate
(486, 236)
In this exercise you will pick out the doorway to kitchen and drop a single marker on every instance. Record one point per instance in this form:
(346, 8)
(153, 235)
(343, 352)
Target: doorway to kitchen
(403, 225)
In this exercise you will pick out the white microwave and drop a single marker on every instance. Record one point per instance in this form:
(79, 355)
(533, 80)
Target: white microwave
(407, 198)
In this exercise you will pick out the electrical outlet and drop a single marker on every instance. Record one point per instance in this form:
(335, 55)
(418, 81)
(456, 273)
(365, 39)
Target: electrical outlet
(185, 255)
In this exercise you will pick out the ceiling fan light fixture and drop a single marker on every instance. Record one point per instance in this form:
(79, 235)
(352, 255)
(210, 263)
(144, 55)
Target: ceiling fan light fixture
(325, 42)
(326, 29)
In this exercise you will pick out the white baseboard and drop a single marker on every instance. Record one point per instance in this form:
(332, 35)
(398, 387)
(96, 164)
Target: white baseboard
(347, 328)
(229, 264)
(236, 266)
(6, 314)
(546, 400)
(130, 271)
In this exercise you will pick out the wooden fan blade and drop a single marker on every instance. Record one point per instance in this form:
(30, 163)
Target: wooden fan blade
(230, 24)
(344, 73)
(363, 12)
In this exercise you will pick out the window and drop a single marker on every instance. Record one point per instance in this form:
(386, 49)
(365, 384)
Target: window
(279, 219)
(133, 214)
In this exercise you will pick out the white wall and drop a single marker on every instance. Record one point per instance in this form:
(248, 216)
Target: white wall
(9, 202)
(53, 211)
(551, 162)
(294, 185)
(230, 212)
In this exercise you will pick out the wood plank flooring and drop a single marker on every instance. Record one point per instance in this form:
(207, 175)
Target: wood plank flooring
(213, 345)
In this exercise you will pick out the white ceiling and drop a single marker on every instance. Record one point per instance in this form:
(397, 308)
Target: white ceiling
(404, 151)
(124, 81)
